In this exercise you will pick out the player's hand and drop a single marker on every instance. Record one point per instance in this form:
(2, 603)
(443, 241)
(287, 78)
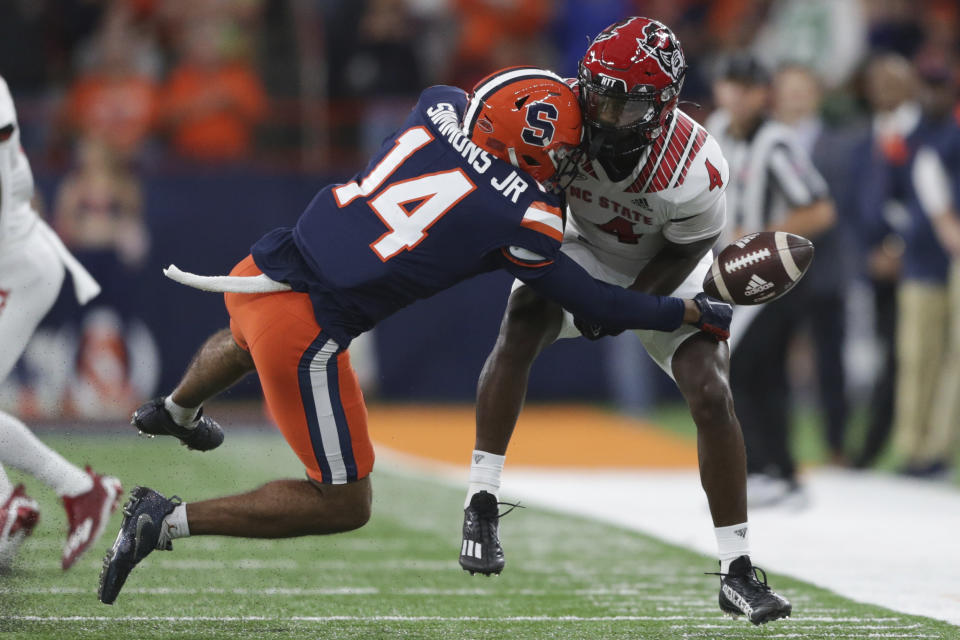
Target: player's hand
(715, 316)
(594, 330)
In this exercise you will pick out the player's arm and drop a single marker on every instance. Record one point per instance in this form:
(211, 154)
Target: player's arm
(688, 239)
(563, 281)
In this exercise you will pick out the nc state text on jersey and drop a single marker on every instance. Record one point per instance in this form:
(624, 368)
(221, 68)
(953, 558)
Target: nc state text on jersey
(606, 203)
(445, 117)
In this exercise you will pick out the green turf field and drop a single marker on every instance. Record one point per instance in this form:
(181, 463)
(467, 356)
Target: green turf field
(396, 578)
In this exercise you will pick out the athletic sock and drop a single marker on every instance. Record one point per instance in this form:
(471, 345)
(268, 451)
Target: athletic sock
(6, 487)
(184, 416)
(21, 449)
(174, 526)
(732, 542)
(485, 473)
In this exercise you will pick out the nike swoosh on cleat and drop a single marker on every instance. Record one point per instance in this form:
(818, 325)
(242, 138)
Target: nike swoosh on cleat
(142, 521)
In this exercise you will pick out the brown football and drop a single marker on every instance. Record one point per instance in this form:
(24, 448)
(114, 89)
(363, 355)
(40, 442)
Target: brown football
(759, 267)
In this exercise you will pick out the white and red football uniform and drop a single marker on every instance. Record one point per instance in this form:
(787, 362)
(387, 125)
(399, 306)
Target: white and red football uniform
(675, 194)
(32, 258)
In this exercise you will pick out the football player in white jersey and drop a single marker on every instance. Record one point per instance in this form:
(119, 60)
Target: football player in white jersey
(644, 213)
(32, 265)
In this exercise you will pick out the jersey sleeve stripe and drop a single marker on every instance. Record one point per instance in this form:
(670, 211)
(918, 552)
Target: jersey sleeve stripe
(543, 206)
(544, 219)
(546, 229)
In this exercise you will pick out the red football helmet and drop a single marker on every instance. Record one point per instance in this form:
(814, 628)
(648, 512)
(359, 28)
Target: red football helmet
(630, 80)
(528, 117)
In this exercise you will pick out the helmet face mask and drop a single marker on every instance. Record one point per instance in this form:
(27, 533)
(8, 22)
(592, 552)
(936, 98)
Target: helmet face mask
(630, 80)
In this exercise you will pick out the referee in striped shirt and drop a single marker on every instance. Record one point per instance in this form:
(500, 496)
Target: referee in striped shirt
(773, 186)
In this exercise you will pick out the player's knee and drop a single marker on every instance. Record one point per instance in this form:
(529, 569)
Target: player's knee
(529, 321)
(340, 508)
(710, 401)
(707, 392)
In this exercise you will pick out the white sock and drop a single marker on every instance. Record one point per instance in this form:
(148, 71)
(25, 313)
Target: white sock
(732, 542)
(21, 449)
(174, 526)
(6, 487)
(183, 416)
(485, 470)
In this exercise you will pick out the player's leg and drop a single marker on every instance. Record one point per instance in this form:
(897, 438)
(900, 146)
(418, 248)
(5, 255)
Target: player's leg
(218, 364)
(700, 366)
(530, 323)
(285, 508)
(31, 276)
(313, 395)
(701, 370)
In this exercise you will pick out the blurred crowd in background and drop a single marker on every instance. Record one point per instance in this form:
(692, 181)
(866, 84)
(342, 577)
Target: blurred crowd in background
(112, 93)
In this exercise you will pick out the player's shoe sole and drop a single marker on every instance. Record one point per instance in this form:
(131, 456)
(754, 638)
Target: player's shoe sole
(139, 535)
(152, 419)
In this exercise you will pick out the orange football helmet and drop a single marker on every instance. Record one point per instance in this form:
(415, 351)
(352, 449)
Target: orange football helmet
(528, 117)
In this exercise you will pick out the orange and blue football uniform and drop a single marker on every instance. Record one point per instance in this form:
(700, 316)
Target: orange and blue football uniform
(430, 210)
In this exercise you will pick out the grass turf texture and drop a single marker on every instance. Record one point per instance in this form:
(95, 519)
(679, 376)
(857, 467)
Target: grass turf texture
(396, 578)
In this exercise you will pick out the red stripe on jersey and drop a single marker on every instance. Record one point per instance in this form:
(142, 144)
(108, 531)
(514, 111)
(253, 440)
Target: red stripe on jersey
(675, 147)
(588, 168)
(506, 254)
(648, 166)
(545, 229)
(697, 145)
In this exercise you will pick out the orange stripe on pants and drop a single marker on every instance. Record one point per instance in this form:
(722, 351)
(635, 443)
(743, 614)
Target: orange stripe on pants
(282, 335)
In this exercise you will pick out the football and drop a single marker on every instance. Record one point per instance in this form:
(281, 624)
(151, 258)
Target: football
(758, 267)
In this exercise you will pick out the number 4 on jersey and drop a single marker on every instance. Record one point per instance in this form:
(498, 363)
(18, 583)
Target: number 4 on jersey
(436, 192)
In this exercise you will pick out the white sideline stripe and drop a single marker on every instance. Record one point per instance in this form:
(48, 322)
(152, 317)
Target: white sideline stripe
(805, 544)
(786, 256)
(398, 618)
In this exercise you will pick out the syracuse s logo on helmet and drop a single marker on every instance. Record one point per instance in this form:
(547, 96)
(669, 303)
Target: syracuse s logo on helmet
(540, 117)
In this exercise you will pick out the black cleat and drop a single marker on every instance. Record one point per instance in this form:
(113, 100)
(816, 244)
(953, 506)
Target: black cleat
(152, 419)
(139, 535)
(742, 593)
(481, 551)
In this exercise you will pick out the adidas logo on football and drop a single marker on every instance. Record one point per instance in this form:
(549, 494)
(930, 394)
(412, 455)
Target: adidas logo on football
(756, 286)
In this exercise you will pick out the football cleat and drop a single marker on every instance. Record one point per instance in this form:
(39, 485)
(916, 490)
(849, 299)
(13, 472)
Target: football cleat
(87, 516)
(743, 593)
(152, 419)
(480, 551)
(140, 533)
(18, 516)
